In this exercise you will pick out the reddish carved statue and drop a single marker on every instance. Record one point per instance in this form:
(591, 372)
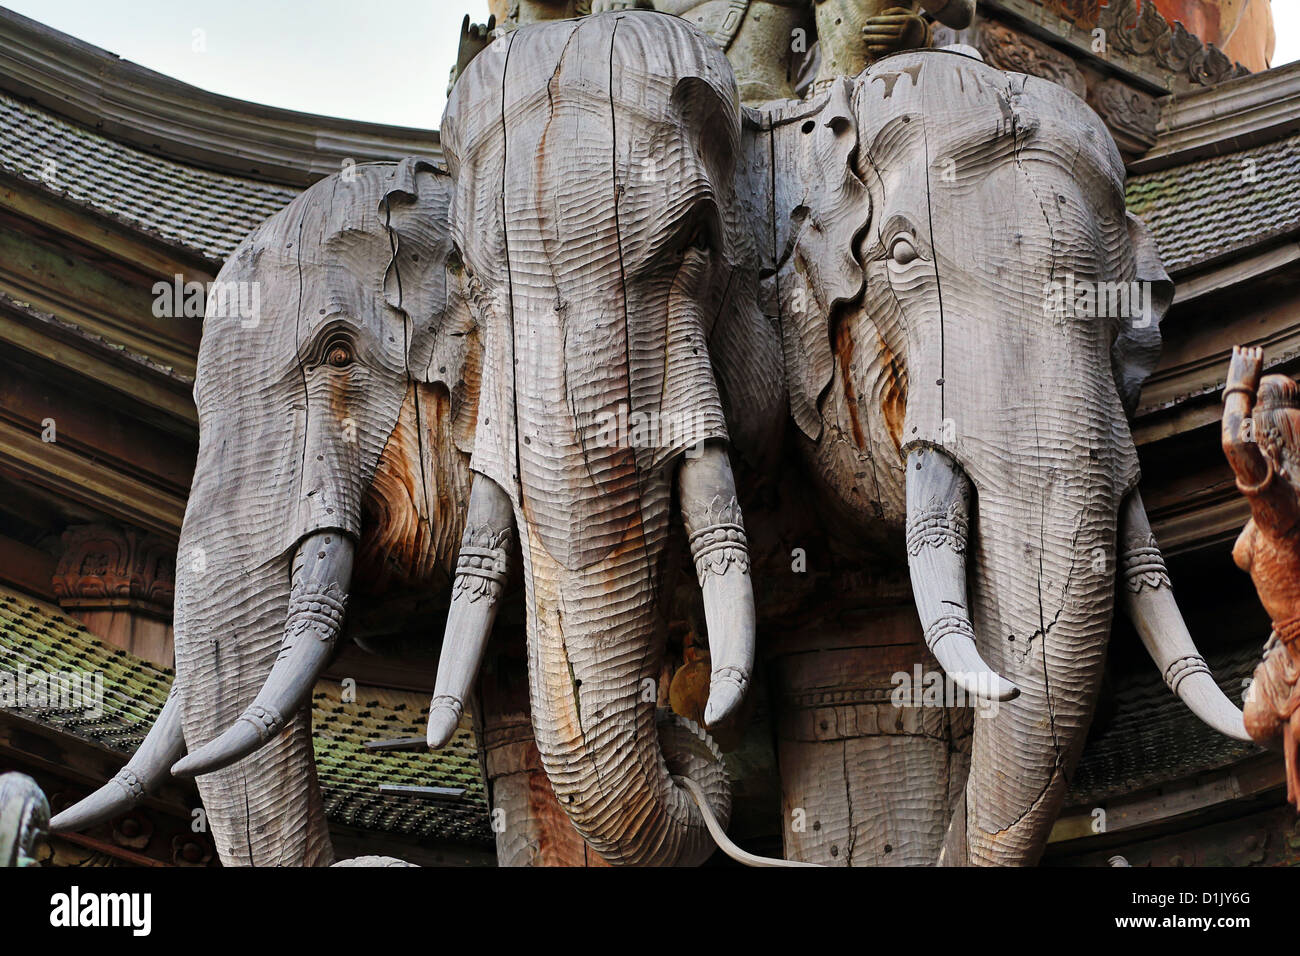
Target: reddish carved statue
(1261, 438)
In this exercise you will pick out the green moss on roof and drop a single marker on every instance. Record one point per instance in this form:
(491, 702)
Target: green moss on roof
(350, 774)
(1220, 205)
(40, 638)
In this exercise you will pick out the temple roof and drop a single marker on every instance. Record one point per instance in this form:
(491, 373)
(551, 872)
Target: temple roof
(182, 205)
(1150, 737)
(166, 117)
(40, 638)
(1219, 206)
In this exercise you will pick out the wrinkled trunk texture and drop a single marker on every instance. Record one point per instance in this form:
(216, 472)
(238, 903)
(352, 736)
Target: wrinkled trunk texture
(1042, 588)
(232, 598)
(595, 641)
(535, 831)
(598, 284)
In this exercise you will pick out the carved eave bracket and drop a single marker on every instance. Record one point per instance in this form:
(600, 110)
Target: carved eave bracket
(1123, 58)
(109, 568)
(1137, 42)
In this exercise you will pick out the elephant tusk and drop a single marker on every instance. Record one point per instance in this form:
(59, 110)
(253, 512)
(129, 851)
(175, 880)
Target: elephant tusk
(720, 835)
(938, 515)
(707, 491)
(143, 773)
(1149, 600)
(322, 573)
(481, 572)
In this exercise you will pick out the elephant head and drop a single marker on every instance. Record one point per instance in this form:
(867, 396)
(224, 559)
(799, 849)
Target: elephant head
(319, 416)
(596, 214)
(968, 313)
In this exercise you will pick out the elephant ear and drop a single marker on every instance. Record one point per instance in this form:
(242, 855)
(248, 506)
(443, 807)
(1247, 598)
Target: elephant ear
(829, 207)
(424, 279)
(1136, 350)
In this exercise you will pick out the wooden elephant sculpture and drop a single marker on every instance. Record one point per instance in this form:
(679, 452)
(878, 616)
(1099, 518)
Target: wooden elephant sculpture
(605, 255)
(1261, 439)
(957, 364)
(614, 311)
(334, 431)
(967, 313)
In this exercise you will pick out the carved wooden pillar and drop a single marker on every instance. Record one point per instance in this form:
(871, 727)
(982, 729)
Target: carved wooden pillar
(866, 782)
(120, 583)
(531, 827)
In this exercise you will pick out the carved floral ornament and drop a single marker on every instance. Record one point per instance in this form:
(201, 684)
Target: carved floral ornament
(106, 566)
(1008, 49)
(1137, 28)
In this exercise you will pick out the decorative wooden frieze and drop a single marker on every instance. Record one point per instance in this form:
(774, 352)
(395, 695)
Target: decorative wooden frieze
(1137, 27)
(105, 567)
(1009, 49)
(1131, 35)
(1131, 115)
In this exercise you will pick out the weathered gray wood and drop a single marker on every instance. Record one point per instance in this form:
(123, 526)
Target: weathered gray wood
(596, 342)
(873, 757)
(594, 162)
(24, 817)
(482, 571)
(938, 212)
(316, 409)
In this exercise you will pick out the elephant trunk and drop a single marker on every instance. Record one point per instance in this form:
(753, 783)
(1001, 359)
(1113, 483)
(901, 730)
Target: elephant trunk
(233, 640)
(595, 651)
(233, 633)
(1042, 578)
(321, 573)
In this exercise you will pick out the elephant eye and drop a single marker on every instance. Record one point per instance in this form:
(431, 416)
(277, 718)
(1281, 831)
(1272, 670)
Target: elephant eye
(698, 240)
(903, 251)
(339, 355)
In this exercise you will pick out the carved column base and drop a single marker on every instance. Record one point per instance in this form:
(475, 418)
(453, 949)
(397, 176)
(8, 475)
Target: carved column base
(866, 782)
(531, 827)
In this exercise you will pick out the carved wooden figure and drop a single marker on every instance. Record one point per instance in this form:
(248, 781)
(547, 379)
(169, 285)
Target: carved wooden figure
(593, 359)
(931, 215)
(331, 428)
(1261, 439)
(767, 41)
(594, 162)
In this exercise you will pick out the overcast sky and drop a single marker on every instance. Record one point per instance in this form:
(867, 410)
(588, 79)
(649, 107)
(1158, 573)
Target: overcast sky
(380, 60)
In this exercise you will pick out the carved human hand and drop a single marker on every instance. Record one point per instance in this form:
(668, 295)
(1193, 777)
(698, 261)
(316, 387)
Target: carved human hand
(896, 29)
(605, 6)
(474, 38)
(1237, 438)
(1244, 370)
